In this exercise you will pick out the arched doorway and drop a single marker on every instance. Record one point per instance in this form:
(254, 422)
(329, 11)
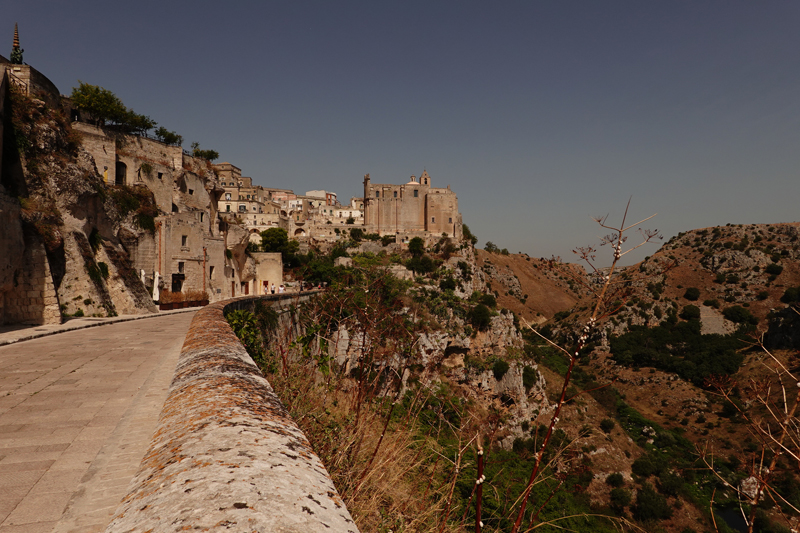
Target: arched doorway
(300, 232)
(122, 171)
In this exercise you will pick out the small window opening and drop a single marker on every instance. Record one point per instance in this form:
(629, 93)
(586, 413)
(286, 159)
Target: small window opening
(180, 267)
(184, 238)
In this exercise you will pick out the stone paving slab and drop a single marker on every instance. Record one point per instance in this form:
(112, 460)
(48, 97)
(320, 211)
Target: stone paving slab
(77, 412)
(10, 334)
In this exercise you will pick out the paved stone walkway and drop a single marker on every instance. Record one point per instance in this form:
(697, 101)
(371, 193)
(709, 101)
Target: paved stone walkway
(77, 411)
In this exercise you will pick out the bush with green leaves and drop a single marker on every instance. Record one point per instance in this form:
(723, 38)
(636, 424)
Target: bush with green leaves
(276, 240)
(650, 505)
(480, 317)
(529, 377)
(448, 283)
(245, 325)
(421, 265)
(211, 155)
(356, 234)
(650, 464)
(615, 480)
(416, 246)
(105, 107)
(488, 300)
(774, 269)
(168, 137)
(607, 425)
(468, 236)
(619, 499)
(679, 347)
(692, 294)
(499, 369)
(791, 295)
(690, 312)
(739, 315)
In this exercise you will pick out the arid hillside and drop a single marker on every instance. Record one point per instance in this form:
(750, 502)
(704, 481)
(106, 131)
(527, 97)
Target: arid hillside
(533, 288)
(739, 282)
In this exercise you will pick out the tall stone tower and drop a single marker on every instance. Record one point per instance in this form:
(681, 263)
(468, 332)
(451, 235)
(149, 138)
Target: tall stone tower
(16, 51)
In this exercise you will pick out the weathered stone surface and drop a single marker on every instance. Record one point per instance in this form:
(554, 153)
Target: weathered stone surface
(226, 453)
(12, 244)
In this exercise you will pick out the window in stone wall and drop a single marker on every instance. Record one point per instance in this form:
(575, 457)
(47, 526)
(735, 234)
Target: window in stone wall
(450, 220)
(377, 194)
(180, 267)
(211, 272)
(161, 175)
(228, 208)
(184, 238)
(433, 219)
(416, 193)
(202, 215)
(191, 191)
(395, 194)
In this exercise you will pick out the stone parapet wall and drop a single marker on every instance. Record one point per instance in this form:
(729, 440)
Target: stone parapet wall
(226, 454)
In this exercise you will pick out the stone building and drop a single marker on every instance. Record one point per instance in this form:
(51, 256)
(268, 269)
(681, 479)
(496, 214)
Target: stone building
(412, 209)
(183, 246)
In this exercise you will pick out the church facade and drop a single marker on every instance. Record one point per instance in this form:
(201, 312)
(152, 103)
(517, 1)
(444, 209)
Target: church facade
(412, 209)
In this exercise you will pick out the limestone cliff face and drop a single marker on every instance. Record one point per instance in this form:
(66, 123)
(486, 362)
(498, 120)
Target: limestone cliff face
(70, 258)
(465, 360)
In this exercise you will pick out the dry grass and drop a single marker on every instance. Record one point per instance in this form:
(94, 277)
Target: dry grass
(390, 477)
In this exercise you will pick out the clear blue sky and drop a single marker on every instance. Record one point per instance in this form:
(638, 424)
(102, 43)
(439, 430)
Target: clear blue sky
(540, 115)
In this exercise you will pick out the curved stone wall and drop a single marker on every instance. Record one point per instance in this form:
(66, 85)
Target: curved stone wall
(226, 454)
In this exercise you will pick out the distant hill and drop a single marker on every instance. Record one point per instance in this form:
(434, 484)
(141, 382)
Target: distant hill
(529, 286)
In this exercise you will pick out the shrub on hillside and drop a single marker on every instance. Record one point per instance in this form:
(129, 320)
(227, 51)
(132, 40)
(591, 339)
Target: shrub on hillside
(739, 315)
(480, 317)
(651, 505)
(773, 269)
(447, 283)
(489, 301)
(791, 295)
(619, 498)
(529, 378)
(499, 369)
(678, 347)
(416, 246)
(692, 294)
(690, 312)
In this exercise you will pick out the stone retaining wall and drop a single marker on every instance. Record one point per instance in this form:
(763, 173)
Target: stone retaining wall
(226, 454)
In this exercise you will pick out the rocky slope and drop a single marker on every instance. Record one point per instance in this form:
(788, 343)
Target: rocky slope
(753, 267)
(66, 211)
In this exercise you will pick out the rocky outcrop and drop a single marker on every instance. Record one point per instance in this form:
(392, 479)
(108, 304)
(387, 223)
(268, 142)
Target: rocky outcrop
(73, 260)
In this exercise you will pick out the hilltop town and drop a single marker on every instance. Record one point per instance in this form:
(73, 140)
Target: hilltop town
(626, 395)
(181, 228)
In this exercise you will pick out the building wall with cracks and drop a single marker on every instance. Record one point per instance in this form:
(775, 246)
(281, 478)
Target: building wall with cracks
(226, 453)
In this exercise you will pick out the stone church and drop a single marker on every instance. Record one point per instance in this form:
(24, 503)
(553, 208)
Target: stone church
(410, 210)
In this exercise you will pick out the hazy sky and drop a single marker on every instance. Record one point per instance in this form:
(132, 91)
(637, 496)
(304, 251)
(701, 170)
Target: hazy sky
(539, 115)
